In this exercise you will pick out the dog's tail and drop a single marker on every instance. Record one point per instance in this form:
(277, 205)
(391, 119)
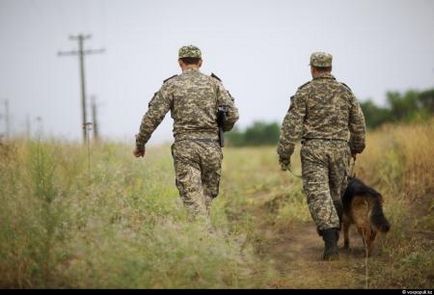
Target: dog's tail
(377, 217)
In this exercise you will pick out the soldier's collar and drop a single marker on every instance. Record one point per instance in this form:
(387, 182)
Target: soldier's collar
(325, 76)
(190, 70)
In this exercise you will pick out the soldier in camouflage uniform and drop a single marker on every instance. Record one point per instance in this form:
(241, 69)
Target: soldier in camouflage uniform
(325, 114)
(193, 100)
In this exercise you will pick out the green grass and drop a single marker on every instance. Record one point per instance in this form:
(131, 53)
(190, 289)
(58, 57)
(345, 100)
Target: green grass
(123, 225)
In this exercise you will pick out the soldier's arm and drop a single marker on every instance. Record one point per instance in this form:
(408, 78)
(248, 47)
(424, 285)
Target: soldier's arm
(224, 98)
(292, 125)
(157, 109)
(357, 127)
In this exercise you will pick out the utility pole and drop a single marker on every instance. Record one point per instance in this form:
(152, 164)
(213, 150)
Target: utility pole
(94, 118)
(81, 53)
(39, 127)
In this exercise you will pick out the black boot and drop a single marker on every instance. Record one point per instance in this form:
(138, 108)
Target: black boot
(330, 237)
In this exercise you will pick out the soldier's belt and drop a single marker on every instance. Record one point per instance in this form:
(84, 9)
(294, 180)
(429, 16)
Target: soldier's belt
(198, 139)
(324, 139)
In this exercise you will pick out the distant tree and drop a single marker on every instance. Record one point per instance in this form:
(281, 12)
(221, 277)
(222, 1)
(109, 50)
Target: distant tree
(426, 100)
(402, 107)
(235, 137)
(259, 133)
(375, 115)
(262, 133)
(410, 106)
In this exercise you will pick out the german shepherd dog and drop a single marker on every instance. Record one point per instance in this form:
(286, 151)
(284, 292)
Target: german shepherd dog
(363, 207)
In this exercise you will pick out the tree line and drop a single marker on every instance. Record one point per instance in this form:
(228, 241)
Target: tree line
(409, 106)
(400, 107)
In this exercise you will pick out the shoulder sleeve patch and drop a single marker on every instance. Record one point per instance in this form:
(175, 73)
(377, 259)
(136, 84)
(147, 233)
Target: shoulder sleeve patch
(291, 103)
(304, 85)
(346, 86)
(215, 77)
(230, 95)
(169, 78)
(153, 99)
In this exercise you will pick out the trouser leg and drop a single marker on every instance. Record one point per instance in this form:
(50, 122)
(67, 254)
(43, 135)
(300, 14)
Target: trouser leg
(338, 173)
(316, 188)
(189, 177)
(211, 173)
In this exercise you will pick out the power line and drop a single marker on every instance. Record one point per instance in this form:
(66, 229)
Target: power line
(81, 53)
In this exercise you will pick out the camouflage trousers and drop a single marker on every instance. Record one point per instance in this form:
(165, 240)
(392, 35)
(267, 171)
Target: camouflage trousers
(198, 169)
(325, 166)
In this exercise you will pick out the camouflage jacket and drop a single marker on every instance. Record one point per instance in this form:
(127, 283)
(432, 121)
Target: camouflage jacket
(323, 109)
(193, 99)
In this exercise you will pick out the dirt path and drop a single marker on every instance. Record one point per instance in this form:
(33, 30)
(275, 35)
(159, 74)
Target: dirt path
(296, 253)
(297, 256)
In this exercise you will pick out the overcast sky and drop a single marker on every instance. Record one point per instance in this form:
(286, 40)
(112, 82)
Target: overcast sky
(260, 49)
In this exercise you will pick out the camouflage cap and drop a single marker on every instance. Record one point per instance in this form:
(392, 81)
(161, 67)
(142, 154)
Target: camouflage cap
(321, 59)
(189, 51)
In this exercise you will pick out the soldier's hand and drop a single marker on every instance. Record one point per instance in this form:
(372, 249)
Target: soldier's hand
(139, 152)
(284, 163)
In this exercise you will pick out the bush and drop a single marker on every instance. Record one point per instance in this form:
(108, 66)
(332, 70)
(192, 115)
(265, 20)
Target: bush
(260, 133)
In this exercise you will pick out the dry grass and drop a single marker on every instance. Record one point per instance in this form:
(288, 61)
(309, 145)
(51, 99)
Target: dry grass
(124, 225)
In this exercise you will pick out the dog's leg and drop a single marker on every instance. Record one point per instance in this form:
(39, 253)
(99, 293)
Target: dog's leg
(346, 226)
(362, 234)
(366, 233)
(371, 240)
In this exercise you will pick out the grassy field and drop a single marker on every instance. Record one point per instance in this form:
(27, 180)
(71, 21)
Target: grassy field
(117, 222)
